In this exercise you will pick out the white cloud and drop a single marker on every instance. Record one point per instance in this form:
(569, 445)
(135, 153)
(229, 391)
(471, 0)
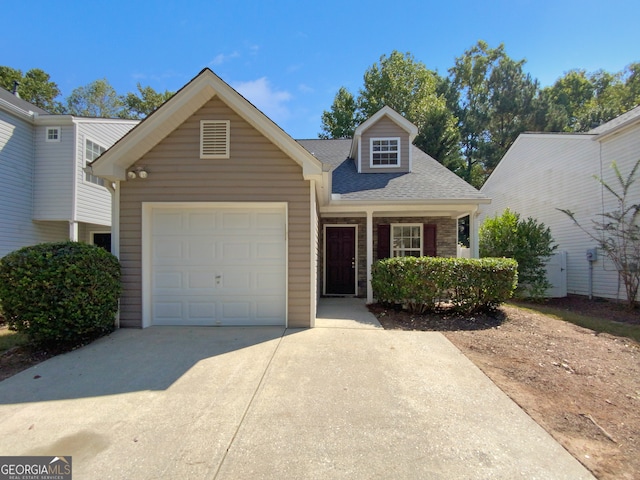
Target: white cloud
(304, 88)
(222, 58)
(270, 101)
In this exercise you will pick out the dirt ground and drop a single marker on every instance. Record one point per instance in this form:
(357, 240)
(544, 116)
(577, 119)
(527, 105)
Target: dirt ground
(582, 387)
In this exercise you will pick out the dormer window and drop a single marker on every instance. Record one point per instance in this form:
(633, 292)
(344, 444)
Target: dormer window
(385, 152)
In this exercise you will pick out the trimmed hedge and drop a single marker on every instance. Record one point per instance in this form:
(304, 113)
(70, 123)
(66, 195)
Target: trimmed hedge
(60, 295)
(427, 283)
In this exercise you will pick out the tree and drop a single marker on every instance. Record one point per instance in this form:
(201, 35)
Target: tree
(527, 241)
(496, 104)
(97, 99)
(342, 120)
(407, 86)
(617, 234)
(511, 97)
(143, 103)
(587, 100)
(35, 87)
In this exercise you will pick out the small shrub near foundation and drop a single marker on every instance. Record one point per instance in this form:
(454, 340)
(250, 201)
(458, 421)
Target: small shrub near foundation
(60, 295)
(461, 285)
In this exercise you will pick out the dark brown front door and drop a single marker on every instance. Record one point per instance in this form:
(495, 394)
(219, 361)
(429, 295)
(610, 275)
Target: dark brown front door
(340, 261)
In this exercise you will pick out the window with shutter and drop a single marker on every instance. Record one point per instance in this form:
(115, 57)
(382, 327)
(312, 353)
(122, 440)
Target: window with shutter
(214, 138)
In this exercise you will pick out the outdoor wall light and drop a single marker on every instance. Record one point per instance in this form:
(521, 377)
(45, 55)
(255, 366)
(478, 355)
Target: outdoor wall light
(137, 172)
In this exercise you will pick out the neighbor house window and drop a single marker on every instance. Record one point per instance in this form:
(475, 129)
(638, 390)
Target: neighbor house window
(406, 240)
(214, 138)
(385, 152)
(53, 134)
(92, 151)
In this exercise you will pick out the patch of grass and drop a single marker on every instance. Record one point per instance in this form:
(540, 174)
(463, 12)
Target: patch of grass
(596, 324)
(10, 339)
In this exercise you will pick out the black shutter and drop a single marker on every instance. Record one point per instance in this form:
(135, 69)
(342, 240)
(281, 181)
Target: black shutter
(384, 241)
(429, 246)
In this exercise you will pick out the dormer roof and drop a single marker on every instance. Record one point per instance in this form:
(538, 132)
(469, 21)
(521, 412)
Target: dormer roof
(394, 116)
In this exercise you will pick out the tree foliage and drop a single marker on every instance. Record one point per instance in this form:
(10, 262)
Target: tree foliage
(617, 233)
(143, 103)
(97, 99)
(407, 86)
(496, 105)
(529, 242)
(342, 120)
(469, 119)
(35, 86)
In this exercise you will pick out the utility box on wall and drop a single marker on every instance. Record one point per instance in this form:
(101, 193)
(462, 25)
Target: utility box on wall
(592, 254)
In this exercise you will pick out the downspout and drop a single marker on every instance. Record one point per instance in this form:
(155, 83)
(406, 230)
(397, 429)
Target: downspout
(73, 224)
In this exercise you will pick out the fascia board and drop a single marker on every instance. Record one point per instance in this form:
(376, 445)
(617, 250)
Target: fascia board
(394, 116)
(623, 126)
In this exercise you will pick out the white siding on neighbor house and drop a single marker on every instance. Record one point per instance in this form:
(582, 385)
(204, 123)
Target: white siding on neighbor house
(17, 228)
(93, 204)
(542, 173)
(53, 174)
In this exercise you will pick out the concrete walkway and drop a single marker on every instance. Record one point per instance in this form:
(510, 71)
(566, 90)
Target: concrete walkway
(264, 402)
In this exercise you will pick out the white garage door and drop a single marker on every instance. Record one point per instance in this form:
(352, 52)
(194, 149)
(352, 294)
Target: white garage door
(218, 265)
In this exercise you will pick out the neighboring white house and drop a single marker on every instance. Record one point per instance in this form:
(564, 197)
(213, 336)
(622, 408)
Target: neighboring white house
(543, 172)
(45, 194)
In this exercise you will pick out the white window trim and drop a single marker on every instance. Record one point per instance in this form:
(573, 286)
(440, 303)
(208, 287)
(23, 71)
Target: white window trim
(85, 162)
(371, 152)
(393, 225)
(226, 153)
(52, 140)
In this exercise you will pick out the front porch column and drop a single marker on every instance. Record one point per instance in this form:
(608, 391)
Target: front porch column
(473, 235)
(369, 254)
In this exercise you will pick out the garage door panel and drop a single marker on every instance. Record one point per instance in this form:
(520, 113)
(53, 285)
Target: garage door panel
(167, 222)
(166, 249)
(218, 266)
(168, 280)
(200, 222)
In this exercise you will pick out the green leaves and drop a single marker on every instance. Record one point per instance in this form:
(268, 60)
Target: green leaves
(528, 242)
(407, 86)
(427, 283)
(60, 294)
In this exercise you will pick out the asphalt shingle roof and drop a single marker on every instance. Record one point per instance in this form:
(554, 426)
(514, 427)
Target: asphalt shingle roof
(429, 180)
(20, 103)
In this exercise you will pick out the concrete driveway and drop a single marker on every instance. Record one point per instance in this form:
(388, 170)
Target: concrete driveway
(344, 400)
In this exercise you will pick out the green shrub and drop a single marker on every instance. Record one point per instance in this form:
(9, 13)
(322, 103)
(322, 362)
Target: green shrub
(528, 242)
(428, 283)
(60, 295)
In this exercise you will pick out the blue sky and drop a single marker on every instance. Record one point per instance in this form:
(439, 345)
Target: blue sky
(290, 57)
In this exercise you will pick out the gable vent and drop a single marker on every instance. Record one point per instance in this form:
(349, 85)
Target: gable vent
(214, 138)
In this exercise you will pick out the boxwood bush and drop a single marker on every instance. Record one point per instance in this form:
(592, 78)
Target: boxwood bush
(430, 283)
(60, 295)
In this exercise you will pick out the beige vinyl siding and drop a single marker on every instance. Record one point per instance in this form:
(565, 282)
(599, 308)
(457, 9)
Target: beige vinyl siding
(256, 171)
(93, 202)
(542, 173)
(54, 171)
(384, 128)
